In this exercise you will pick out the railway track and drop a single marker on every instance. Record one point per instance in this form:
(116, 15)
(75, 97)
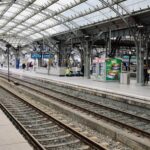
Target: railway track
(44, 132)
(125, 119)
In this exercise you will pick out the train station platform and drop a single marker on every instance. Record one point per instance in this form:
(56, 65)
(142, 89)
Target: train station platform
(132, 90)
(10, 138)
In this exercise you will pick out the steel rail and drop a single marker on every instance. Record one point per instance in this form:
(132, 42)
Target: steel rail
(20, 127)
(91, 112)
(139, 131)
(77, 134)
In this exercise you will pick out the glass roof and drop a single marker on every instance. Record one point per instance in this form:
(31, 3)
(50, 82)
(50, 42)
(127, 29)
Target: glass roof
(35, 19)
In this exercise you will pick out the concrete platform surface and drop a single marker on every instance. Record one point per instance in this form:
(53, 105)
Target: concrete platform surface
(132, 90)
(10, 138)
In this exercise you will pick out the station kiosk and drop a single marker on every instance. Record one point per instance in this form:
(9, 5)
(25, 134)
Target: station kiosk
(107, 69)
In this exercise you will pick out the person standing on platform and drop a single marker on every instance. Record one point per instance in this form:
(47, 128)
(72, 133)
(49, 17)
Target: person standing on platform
(82, 70)
(146, 75)
(30, 66)
(68, 72)
(23, 66)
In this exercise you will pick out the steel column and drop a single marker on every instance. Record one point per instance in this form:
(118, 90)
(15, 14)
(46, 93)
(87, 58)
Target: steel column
(109, 43)
(8, 52)
(87, 60)
(140, 62)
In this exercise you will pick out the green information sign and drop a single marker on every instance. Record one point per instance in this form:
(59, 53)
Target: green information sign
(113, 69)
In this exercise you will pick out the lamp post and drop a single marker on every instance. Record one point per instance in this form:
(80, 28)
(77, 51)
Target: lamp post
(8, 47)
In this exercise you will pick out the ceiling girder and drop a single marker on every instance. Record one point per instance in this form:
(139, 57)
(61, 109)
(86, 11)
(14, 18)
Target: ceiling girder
(35, 12)
(51, 14)
(8, 6)
(56, 15)
(21, 10)
(31, 40)
(75, 17)
(105, 24)
(113, 9)
(4, 41)
(15, 21)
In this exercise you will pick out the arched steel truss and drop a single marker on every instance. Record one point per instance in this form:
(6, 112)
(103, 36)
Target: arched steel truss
(67, 16)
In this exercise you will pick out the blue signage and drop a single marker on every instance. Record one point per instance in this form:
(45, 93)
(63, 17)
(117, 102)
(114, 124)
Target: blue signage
(35, 55)
(38, 56)
(48, 55)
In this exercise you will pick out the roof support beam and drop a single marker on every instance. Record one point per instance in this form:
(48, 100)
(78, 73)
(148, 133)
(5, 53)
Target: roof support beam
(27, 5)
(43, 36)
(5, 10)
(4, 41)
(147, 10)
(52, 14)
(15, 21)
(75, 17)
(127, 11)
(35, 12)
(114, 10)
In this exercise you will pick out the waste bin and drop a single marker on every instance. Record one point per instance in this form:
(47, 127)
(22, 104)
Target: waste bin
(125, 78)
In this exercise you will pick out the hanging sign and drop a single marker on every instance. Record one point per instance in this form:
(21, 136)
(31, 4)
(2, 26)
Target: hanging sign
(38, 56)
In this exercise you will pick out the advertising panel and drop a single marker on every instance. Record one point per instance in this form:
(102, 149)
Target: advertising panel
(113, 69)
(99, 68)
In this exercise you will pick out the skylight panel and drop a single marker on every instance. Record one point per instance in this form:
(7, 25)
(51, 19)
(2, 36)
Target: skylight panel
(38, 17)
(28, 19)
(94, 2)
(36, 36)
(50, 31)
(50, 21)
(2, 21)
(17, 29)
(41, 2)
(35, 28)
(27, 32)
(56, 7)
(9, 14)
(45, 33)
(6, 28)
(65, 2)
(69, 13)
(27, 12)
(2, 7)
(1, 31)
(136, 5)
(81, 7)
(21, 27)
(41, 25)
(11, 24)
(81, 21)
(20, 17)
(31, 21)
(15, 8)
(60, 28)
